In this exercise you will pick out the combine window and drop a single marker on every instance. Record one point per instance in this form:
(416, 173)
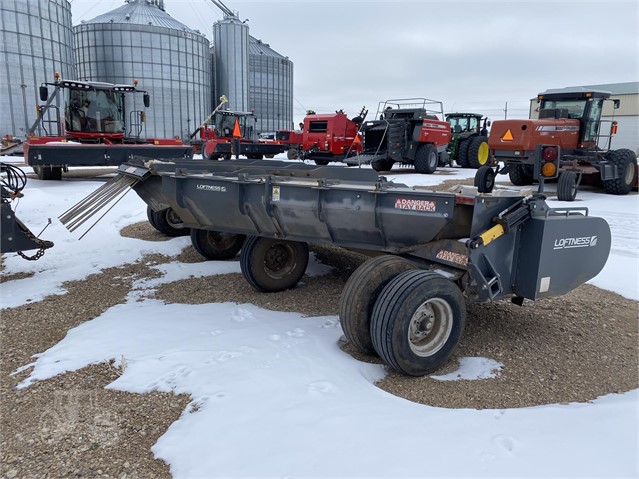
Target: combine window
(575, 108)
(318, 127)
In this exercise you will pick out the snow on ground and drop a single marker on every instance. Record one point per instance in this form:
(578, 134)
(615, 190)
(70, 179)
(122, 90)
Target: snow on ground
(275, 387)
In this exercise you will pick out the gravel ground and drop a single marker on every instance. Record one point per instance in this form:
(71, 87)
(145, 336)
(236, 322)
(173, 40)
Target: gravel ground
(573, 348)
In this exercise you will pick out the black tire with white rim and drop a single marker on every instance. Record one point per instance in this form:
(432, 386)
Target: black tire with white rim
(271, 265)
(215, 245)
(417, 322)
(361, 292)
(426, 159)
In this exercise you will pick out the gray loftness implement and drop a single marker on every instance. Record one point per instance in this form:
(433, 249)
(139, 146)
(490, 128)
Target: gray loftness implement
(430, 251)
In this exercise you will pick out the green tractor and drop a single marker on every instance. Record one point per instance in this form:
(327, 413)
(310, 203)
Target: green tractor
(468, 146)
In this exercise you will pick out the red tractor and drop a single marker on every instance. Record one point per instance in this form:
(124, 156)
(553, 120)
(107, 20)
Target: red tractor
(232, 134)
(563, 143)
(407, 131)
(331, 137)
(85, 123)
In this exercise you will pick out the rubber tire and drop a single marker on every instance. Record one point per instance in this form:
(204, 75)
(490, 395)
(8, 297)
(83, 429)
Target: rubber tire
(521, 175)
(321, 162)
(292, 154)
(485, 179)
(253, 260)
(462, 153)
(164, 224)
(361, 292)
(624, 159)
(392, 314)
(426, 159)
(48, 173)
(478, 144)
(567, 186)
(151, 217)
(215, 245)
(382, 165)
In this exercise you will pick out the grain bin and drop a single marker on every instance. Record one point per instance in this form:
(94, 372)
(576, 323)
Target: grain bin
(37, 41)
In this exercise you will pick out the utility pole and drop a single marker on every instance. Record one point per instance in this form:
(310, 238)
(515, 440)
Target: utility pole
(506, 111)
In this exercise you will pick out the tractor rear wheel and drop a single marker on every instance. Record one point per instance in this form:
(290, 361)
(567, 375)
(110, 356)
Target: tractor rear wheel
(417, 322)
(626, 162)
(485, 179)
(462, 153)
(426, 159)
(271, 265)
(168, 222)
(361, 292)
(216, 245)
(567, 186)
(478, 152)
(382, 165)
(521, 175)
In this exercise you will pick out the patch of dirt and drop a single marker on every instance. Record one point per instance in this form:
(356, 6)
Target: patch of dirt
(70, 426)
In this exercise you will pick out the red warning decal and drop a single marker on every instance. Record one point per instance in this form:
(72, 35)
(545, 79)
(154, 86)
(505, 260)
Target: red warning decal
(417, 205)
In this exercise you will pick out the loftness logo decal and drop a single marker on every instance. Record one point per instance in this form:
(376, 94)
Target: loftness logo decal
(220, 189)
(581, 242)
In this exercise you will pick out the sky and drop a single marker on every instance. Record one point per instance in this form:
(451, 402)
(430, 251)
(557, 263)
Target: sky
(482, 56)
(274, 387)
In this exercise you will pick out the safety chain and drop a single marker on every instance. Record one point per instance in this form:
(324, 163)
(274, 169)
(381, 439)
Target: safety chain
(31, 236)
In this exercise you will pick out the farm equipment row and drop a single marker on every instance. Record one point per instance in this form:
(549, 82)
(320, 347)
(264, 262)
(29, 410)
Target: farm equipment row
(406, 303)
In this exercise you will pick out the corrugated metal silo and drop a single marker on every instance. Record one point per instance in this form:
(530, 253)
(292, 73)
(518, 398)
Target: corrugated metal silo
(270, 87)
(37, 41)
(231, 44)
(141, 41)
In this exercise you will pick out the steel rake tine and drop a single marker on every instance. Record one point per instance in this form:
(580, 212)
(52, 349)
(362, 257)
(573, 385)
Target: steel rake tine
(90, 197)
(88, 213)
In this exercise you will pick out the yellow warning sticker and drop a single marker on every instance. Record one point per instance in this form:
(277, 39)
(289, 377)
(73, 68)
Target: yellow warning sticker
(508, 136)
(276, 193)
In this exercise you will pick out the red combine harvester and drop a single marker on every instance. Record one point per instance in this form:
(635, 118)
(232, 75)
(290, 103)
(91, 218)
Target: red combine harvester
(407, 131)
(331, 137)
(562, 143)
(87, 126)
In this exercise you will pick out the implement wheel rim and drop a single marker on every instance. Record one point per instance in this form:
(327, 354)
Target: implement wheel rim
(430, 327)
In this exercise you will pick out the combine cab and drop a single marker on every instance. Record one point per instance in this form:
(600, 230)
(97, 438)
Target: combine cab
(564, 143)
(469, 139)
(86, 124)
(408, 131)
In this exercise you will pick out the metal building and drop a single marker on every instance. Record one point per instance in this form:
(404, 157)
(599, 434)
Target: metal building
(37, 41)
(141, 41)
(270, 87)
(231, 53)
